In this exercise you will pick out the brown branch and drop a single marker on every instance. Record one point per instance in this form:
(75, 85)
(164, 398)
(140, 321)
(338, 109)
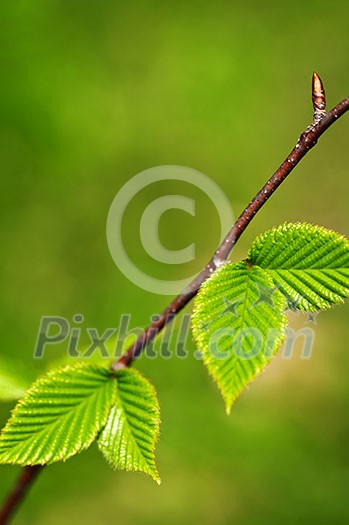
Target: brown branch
(18, 493)
(307, 140)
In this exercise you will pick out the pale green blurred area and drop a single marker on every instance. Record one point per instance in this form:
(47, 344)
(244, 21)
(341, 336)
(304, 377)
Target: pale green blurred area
(91, 94)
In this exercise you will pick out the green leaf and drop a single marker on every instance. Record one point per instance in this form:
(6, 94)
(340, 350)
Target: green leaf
(238, 323)
(60, 415)
(130, 435)
(309, 264)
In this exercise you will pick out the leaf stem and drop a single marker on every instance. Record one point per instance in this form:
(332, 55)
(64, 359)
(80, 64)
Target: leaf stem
(307, 140)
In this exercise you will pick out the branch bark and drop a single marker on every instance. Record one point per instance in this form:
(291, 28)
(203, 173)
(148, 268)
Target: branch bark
(18, 493)
(308, 139)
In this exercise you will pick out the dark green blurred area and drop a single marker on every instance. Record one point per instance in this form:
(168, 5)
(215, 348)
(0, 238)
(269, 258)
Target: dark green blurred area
(91, 94)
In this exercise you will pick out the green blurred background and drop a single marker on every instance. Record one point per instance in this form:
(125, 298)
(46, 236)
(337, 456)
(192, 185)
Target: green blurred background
(91, 94)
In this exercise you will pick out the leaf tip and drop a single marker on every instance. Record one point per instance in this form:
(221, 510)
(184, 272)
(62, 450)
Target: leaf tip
(153, 473)
(157, 480)
(228, 405)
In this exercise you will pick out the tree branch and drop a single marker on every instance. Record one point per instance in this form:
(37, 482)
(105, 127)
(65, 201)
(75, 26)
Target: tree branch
(18, 493)
(308, 139)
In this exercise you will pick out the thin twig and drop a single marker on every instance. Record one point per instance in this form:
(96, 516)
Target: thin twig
(18, 493)
(308, 139)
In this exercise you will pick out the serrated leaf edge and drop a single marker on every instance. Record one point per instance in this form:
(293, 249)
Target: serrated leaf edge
(33, 389)
(152, 471)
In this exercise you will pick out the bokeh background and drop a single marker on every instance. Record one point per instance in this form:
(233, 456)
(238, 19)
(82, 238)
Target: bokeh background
(92, 93)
